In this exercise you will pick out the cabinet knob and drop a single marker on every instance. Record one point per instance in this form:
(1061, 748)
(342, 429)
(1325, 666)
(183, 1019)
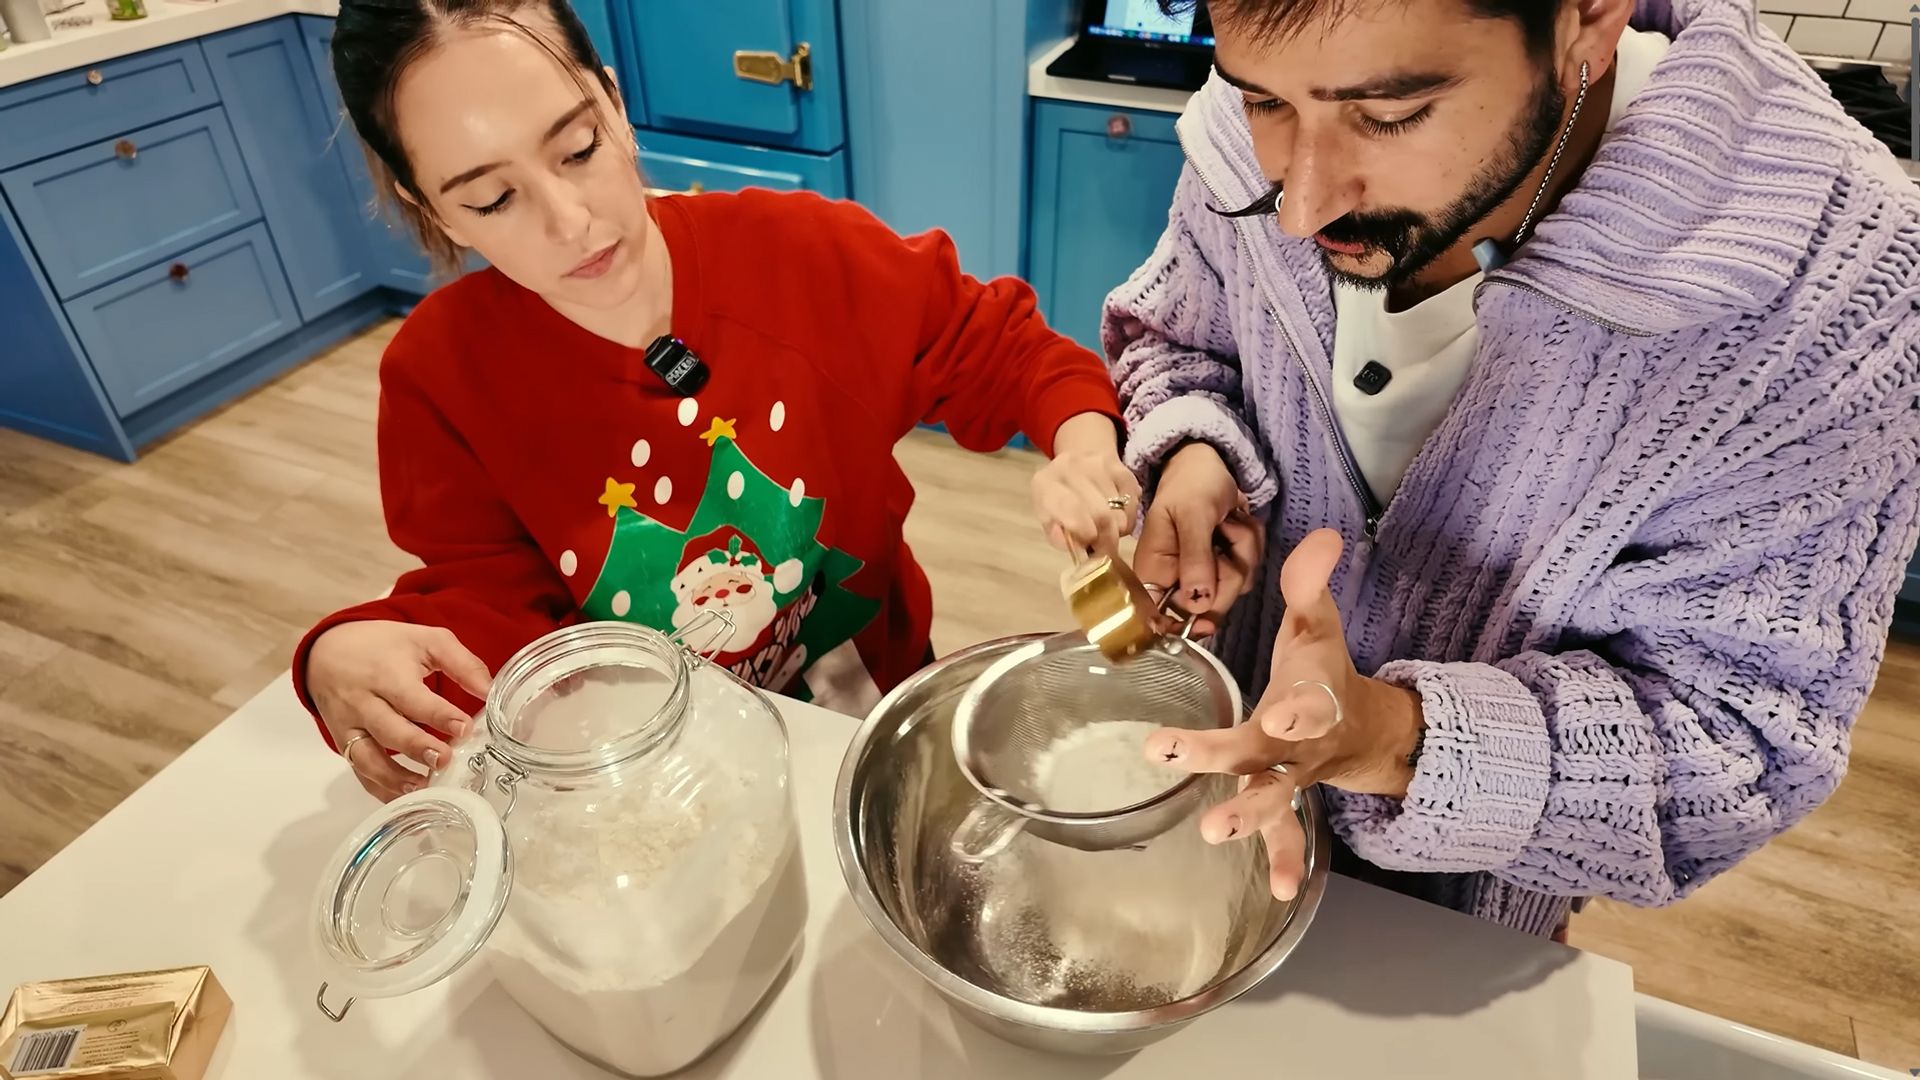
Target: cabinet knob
(126, 150)
(773, 69)
(1119, 126)
(94, 78)
(178, 271)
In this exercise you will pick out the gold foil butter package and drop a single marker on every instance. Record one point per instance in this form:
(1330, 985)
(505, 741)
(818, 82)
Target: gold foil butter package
(151, 1025)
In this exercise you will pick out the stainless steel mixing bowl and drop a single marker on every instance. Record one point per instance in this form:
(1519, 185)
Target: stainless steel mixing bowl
(979, 932)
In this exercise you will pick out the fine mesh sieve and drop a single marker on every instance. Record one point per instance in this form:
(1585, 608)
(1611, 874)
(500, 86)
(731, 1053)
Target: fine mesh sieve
(1039, 694)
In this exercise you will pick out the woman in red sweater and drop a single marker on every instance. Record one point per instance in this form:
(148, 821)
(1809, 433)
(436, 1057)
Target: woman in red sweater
(544, 472)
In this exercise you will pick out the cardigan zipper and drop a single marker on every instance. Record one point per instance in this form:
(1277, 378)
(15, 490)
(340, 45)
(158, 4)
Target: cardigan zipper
(1370, 508)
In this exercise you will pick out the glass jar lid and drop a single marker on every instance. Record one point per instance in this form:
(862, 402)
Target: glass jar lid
(411, 894)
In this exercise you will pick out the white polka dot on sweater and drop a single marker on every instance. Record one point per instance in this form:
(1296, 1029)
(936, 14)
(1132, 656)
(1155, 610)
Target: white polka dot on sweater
(689, 412)
(663, 490)
(569, 562)
(778, 418)
(799, 491)
(736, 485)
(642, 452)
(622, 603)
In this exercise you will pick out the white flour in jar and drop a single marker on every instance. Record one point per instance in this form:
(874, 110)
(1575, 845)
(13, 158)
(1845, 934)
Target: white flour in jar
(1127, 928)
(647, 921)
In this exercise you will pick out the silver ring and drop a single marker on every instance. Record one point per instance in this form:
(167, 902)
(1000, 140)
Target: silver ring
(1120, 502)
(346, 750)
(1338, 713)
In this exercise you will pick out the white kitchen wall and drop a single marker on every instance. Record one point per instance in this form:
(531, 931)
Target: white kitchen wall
(1880, 29)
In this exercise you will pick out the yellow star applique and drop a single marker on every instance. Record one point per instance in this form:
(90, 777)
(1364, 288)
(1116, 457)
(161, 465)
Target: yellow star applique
(616, 496)
(720, 429)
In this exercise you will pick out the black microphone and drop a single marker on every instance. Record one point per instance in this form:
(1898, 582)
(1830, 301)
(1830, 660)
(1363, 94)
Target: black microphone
(683, 372)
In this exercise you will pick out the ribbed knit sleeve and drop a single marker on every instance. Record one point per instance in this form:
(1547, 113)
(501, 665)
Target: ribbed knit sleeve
(1174, 359)
(1704, 699)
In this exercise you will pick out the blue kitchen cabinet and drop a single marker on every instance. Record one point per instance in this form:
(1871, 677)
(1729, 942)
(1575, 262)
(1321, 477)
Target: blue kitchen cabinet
(398, 262)
(1103, 181)
(937, 113)
(47, 116)
(156, 331)
(47, 388)
(102, 210)
(148, 204)
(597, 17)
(281, 121)
(681, 163)
(765, 72)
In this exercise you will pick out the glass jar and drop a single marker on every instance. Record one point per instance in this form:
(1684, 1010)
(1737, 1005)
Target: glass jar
(618, 833)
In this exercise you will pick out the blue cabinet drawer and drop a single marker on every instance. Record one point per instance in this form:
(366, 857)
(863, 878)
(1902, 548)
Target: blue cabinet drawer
(120, 204)
(681, 163)
(687, 58)
(1099, 205)
(62, 111)
(158, 330)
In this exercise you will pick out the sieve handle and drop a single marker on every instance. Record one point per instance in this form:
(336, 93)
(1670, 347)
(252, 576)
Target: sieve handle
(985, 832)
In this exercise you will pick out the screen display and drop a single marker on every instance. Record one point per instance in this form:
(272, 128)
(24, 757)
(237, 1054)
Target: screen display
(1143, 21)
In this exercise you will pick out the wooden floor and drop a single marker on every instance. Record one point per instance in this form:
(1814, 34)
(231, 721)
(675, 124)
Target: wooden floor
(140, 604)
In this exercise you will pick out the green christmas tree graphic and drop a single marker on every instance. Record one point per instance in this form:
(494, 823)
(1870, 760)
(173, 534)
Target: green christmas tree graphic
(636, 580)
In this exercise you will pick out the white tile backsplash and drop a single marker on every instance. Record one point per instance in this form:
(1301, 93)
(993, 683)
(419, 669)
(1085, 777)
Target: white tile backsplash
(1896, 43)
(1834, 37)
(1850, 28)
(1899, 11)
(1805, 7)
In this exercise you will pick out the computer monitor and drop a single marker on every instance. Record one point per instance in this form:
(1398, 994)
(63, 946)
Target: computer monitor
(1142, 20)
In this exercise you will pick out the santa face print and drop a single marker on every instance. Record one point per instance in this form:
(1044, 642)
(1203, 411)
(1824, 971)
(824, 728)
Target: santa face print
(743, 592)
(707, 545)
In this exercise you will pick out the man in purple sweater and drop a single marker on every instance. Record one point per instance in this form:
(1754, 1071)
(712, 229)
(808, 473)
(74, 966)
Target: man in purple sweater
(1569, 350)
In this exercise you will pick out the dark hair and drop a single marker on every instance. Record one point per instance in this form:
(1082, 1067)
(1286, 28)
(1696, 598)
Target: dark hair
(375, 40)
(1280, 20)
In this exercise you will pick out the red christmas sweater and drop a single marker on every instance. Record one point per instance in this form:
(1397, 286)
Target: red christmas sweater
(544, 475)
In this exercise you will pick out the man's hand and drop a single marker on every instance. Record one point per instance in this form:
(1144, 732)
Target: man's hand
(1199, 540)
(1321, 719)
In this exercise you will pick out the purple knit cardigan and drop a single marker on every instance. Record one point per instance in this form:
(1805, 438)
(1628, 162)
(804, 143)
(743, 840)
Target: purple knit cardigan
(1641, 576)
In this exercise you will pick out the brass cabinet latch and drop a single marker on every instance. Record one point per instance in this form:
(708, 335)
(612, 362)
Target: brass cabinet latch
(771, 68)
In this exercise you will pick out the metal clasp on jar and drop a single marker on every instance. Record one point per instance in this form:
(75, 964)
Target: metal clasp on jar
(508, 781)
(717, 625)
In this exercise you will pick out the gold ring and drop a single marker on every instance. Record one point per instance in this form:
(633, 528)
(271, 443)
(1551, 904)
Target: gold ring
(1338, 714)
(346, 750)
(1120, 502)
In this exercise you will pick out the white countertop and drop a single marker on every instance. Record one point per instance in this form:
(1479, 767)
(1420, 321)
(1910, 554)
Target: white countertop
(1093, 92)
(215, 860)
(167, 21)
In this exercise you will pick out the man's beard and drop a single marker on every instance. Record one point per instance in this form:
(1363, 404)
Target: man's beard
(1415, 240)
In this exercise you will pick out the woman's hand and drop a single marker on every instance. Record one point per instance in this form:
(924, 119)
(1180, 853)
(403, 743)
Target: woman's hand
(1086, 498)
(1321, 719)
(366, 680)
(1198, 538)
